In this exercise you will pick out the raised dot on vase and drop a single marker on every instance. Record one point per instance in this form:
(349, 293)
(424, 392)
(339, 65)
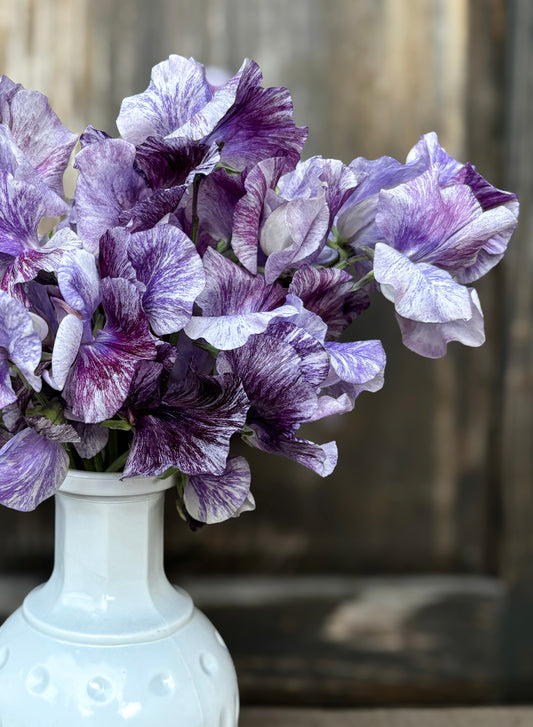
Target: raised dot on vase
(38, 680)
(4, 656)
(208, 663)
(162, 685)
(100, 689)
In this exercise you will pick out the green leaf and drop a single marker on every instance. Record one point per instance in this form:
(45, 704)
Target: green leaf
(121, 424)
(119, 463)
(52, 410)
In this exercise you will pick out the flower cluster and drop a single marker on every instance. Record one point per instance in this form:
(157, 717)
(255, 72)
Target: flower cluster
(197, 287)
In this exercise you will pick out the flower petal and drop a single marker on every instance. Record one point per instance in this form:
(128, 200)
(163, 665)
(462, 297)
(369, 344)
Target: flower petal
(321, 458)
(167, 262)
(358, 362)
(249, 209)
(431, 339)
(99, 380)
(327, 292)
(235, 304)
(178, 90)
(213, 499)
(191, 429)
(19, 344)
(38, 132)
(66, 346)
(259, 124)
(420, 218)
(31, 469)
(294, 234)
(419, 291)
(93, 438)
(107, 185)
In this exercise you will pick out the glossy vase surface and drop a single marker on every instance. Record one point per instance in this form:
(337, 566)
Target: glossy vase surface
(108, 640)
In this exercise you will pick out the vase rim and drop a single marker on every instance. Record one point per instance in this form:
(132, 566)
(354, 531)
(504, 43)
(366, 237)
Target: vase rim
(109, 484)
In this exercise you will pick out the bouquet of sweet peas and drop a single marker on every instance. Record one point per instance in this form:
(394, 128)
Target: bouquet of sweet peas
(197, 287)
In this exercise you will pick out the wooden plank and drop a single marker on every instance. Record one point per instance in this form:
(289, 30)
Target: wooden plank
(517, 463)
(344, 641)
(518, 451)
(494, 717)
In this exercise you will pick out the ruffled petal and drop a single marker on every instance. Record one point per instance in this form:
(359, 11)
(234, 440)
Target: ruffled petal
(107, 185)
(92, 439)
(32, 468)
(191, 429)
(213, 499)
(259, 124)
(23, 206)
(168, 265)
(320, 458)
(358, 362)
(419, 291)
(66, 346)
(99, 380)
(19, 344)
(38, 132)
(294, 234)
(431, 339)
(327, 292)
(249, 209)
(235, 304)
(178, 90)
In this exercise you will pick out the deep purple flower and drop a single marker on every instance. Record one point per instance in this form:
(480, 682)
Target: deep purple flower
(281, 370)
(190, 427)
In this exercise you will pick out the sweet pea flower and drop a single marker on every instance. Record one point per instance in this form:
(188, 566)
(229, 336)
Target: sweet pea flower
(246, 121)
(433, 238)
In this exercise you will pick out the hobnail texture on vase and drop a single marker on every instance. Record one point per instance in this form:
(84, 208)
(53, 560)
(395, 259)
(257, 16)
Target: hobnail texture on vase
(107, 641)
(185, 680)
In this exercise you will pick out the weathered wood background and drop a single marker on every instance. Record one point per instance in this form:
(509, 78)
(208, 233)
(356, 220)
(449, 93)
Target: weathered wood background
(436, 470)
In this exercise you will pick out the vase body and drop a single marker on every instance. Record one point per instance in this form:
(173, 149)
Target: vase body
(108, 640)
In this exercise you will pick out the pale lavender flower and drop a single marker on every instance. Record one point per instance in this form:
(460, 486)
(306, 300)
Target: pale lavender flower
(20, 345)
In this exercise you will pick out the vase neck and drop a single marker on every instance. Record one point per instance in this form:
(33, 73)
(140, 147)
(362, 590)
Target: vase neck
(108, 569)
(108, 545)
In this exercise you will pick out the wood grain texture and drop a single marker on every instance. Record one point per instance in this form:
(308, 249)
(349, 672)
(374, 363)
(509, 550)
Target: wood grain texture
(518, 393)
(345, 642)
(387, 718)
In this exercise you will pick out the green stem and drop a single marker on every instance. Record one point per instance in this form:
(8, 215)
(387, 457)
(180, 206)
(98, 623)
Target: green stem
(118, 463)
(40, 397)
(368, 278)
(112, 445)
(98, 462)
(195, 220)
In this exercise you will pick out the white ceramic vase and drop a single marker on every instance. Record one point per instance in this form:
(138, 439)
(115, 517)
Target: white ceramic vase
(108, 640)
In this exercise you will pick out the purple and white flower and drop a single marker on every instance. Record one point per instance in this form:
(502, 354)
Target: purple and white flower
(200, 285)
